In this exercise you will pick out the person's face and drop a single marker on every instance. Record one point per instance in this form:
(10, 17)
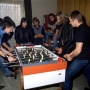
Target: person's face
(24, 24)
(72, 22)
(9, 29)
(58, 19)
(51, 18)
(35, 23)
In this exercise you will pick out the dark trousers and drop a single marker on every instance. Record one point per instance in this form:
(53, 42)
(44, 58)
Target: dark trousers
(72, 70)
(37, 41)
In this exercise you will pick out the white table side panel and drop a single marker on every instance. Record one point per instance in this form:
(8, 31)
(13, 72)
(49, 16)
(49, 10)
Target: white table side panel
(42, 79)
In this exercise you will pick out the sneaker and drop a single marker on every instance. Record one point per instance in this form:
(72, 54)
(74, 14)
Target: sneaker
(46, 44)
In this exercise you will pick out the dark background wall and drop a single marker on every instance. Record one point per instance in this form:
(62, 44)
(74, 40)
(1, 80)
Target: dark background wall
(28, 11)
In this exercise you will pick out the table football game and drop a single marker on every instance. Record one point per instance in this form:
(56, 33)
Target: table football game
(40, 66)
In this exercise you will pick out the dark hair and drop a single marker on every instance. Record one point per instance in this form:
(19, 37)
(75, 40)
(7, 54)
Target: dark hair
(76, 15)
(36, 19)
(7, 18)
(63, 17)
(52, 22)
(7, 23)
(0, 21)
(24, 20)
(51, 14)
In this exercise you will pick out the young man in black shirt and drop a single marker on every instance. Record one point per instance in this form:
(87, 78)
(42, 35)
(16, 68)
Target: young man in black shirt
(81, 54)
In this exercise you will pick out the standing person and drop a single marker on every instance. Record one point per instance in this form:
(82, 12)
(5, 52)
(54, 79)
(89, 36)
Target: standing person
(81, 54)
(1, 87)
(6, 27)
(38, 31)
(23, 33)
(51, 31)
(65, 44)
(6, 37)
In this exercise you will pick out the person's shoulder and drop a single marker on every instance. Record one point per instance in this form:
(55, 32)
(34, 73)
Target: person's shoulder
(33, 26)
(84, 27)
(19, 26)
(41, 26)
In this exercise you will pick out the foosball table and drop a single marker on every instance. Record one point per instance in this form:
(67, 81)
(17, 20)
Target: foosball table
(40, 66)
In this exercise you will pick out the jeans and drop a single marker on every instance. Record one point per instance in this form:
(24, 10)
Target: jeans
(4, 69)
(37, 41)
(86, 72)
(73, 69)
(25, 44)
(47, 36)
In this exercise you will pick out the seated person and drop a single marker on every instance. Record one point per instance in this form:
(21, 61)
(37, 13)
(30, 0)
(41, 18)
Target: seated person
(23, 33)
(52, 31)
(66, 41)
(38, 31)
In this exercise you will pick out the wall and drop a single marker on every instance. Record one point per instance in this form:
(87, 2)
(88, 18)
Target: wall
(42, 7)
(69, 5)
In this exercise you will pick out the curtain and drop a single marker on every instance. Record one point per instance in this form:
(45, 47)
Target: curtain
(69, 5)
(12, 8)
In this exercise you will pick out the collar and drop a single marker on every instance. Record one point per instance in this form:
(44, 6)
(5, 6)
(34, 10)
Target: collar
(1, 31)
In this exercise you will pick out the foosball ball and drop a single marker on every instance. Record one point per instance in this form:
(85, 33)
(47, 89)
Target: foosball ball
(40, 66)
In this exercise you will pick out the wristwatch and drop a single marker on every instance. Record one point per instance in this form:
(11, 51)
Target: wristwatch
(6, 56)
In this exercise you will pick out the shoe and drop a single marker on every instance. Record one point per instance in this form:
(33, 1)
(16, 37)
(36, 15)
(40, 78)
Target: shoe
(1, 87)
(11, 75)
(46, 44)
(85, 88)
(11, 69)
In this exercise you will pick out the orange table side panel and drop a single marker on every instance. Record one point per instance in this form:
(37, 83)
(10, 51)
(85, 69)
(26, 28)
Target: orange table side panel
(43, 68)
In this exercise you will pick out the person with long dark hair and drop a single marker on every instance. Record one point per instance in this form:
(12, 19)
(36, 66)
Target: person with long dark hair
(23, 33)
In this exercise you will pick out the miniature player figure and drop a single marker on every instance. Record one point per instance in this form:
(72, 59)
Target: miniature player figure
(32, 48)
(50, 55)
(24, 55)
(41, 52)
(35, 54)
(30, 54)
(27, 51)
(33, 57)
(41, 57)
(28, 60)
(46, 52)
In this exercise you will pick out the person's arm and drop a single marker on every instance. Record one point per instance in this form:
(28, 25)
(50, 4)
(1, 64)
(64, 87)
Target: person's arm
(42, 33)
(7, 47)
(17, 35)
(70, 38)
(6, 52)
(75, 52)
